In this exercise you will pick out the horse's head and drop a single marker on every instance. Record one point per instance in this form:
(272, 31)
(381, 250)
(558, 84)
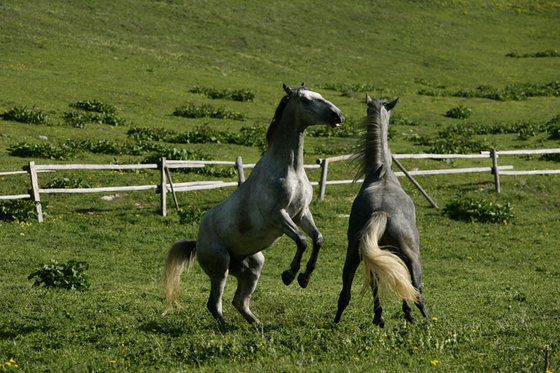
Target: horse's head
(311, 108)
(380, 109)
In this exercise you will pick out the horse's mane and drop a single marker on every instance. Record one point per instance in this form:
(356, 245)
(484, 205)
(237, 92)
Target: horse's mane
(369, 151)
(276, 119)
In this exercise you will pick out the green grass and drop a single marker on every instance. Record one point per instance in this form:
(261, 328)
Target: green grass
(491, 288)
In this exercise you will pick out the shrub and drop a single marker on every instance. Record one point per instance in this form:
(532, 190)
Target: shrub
(48, 151)
(18, 210)
(481, 210)
(24, 115)
(175, 154)
(65, 182)
(190, 214)
(545, 53)
(244, 94)
(347, 129)
(62, 275)
(553, 128)
(192, 110)
(459, 112)
(348, 87)
(95, 106)
(515, 91)
(155, 134)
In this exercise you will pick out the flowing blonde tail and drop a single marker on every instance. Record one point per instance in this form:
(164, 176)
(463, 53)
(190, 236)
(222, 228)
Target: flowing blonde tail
(383, 267)
(180, 257)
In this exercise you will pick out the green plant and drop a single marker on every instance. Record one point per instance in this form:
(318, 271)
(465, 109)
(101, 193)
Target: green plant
(69, 276)
(65, 182)
(459, 112)
(25, 149)
(244, 94)
(192, 110)
(545, 53)
(25, 115)
(18, 210)
(190, 214)
(94, 106)
(175, 154)
(480, 210)
(155, 134)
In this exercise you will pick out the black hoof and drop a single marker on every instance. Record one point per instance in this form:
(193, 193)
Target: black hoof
(409, 318)
(288, 277)
(303, 280)
(379, 321)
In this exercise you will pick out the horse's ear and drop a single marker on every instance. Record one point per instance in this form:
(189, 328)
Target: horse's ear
(390, 105)
(304, 86)
(368, 99)
(288, 90)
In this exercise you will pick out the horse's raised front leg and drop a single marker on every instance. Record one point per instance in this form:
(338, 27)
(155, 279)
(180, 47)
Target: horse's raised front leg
(286, 224)
(308, 225)
(247, 272)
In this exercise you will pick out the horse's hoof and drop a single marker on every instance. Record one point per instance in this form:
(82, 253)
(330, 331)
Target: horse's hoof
(287, 277)
(303, 280)
(409, 318)
(379, 321)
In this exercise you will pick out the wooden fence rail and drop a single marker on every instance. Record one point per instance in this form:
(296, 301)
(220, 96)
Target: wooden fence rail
(166, 185)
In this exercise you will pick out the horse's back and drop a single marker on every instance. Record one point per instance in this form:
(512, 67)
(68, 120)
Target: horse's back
(389, 197)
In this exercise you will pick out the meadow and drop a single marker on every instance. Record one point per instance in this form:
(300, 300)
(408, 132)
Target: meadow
(131, 81)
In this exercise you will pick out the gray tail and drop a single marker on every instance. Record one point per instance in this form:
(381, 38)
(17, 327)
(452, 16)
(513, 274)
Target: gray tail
(180, 257)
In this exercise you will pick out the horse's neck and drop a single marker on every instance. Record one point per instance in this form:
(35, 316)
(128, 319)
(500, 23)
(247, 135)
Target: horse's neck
(287, 146)
(378, 155)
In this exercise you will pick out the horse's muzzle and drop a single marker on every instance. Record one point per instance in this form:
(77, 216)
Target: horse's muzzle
(338, 118)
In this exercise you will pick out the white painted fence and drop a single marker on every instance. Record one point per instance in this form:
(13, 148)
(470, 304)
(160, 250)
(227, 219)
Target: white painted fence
(166, 185)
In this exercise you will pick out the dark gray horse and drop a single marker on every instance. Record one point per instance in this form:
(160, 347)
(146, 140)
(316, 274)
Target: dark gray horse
(382, 217)
(273, 201)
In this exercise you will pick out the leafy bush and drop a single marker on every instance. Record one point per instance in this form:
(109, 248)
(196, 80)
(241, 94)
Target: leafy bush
(18, 210)
(48, 151)
(190, 214)
(545, 53)
(94, 111)
(553, 127)
(244, 94)
(347, 129)
(24, 115)
(62, 275)
(155, 134)
(345, 87)
(481, 210)
(192, 110)
(459, 112)
(95, 106)
(65, 182)
(212, 170)
(515, 91)
(175, 154)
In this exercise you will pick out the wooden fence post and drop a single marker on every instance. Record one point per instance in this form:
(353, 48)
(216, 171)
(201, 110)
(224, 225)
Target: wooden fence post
(323, 181)
(415, 183)
(35, 191)
(163, 188)
(494, 155)
(240, 171)
(172, 187)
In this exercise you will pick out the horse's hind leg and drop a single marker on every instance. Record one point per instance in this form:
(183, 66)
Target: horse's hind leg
(415, 269)
(214, 260)
(247, 272)
(350, 265)
(308, 225)
(377, 309)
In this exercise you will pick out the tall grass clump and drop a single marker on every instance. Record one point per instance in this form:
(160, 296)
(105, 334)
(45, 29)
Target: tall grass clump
(24, 115)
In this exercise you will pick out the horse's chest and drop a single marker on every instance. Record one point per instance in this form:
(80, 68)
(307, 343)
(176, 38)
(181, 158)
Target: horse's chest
(296, 194)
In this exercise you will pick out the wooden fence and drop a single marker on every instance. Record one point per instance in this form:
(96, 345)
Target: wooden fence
(167, 186)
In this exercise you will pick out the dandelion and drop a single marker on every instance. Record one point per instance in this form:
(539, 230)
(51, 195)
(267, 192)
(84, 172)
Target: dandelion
(434, 362)
(434, 318)
(113, 361)
(356, 358)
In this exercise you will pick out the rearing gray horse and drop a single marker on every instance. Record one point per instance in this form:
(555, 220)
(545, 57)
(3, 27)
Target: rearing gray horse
(382, 217)
(273, 201)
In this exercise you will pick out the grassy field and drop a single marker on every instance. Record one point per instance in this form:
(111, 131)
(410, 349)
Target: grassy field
(492, 289)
